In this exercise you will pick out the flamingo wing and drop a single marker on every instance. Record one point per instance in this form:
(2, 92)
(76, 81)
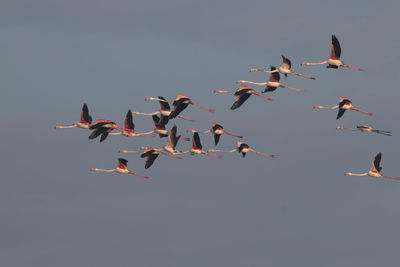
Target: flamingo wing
(129, 121)
(122, 163)
(375, 163)
(335, 50)
(179, 106)
(340, 113)
(85, 117)
(196, 144)
(164, 104)
(240, 100)
(274, 76)
(286, 63)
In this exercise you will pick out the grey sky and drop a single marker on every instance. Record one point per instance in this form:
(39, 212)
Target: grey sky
(295, 210)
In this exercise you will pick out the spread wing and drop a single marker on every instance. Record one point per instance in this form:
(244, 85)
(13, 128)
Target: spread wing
(286, 63)
(129, 121)
(335, 50)
(240, 100)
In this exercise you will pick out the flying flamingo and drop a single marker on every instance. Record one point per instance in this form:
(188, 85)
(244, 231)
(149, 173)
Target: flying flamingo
(217, 130)
(129, 129)
(180, 103)
(169, 147)
(242, 93)
(334, 60)
(84, 123)
(272, 83)
(242, 148)
(103, 128)
(122, 163)
(344, 104)
(375, 169)
(365, 128)
(165, 109)
(284, 68)
(197, 148)
(151, 154)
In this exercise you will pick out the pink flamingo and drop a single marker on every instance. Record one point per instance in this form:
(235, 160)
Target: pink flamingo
(129, 129)
(284, 68)
(365, 128)
(165, 109)
(122, 169)
(84, 123)
(197, 148)
(242, 93)
(273, 82)
(334, 60)
(103, 128)
(243, 148)
(375, 169)
(181, 102)
(344, 104)
(217, 130)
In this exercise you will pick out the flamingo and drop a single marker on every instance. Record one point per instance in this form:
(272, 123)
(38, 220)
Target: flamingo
(197, 148)
(165, 109)
(169, 147)
(217, 130)
(272, 83)
(243, 148)
(242, 93)
(181, 102)
(344, 104)
(122, 163)
(151, 154)
(103, 128)
(284, 68)
(129, 129)
(334, 60)
(365, 128)
(375, 169)
(84, 123)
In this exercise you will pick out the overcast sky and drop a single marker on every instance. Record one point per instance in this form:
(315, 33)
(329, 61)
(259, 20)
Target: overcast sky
(295, 210)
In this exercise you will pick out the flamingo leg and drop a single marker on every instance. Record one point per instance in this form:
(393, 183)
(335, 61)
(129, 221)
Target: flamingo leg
(263, 154)
(145, 177)
(354, 68)
(169, 154)
(292, 88)
(302, 75)
(257, 94)
(208, 109)
(238, 136)
(364, 112)
(181, 117)
(392, 178)
(212, 155)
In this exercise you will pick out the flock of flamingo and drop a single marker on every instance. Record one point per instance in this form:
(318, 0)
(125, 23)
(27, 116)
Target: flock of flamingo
(104, 128)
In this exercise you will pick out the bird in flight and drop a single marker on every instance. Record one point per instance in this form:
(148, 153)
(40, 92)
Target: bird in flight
(242, 93)
(217, 130)
(285, 68)
(375, 170)
(344, 104)
(121, 168)
(365, 128)
(103, 128)
(165, 111)
(272, 83)
(243, 148)
(84, 122)
(129, 129)
(334, 60)
(181, 102)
